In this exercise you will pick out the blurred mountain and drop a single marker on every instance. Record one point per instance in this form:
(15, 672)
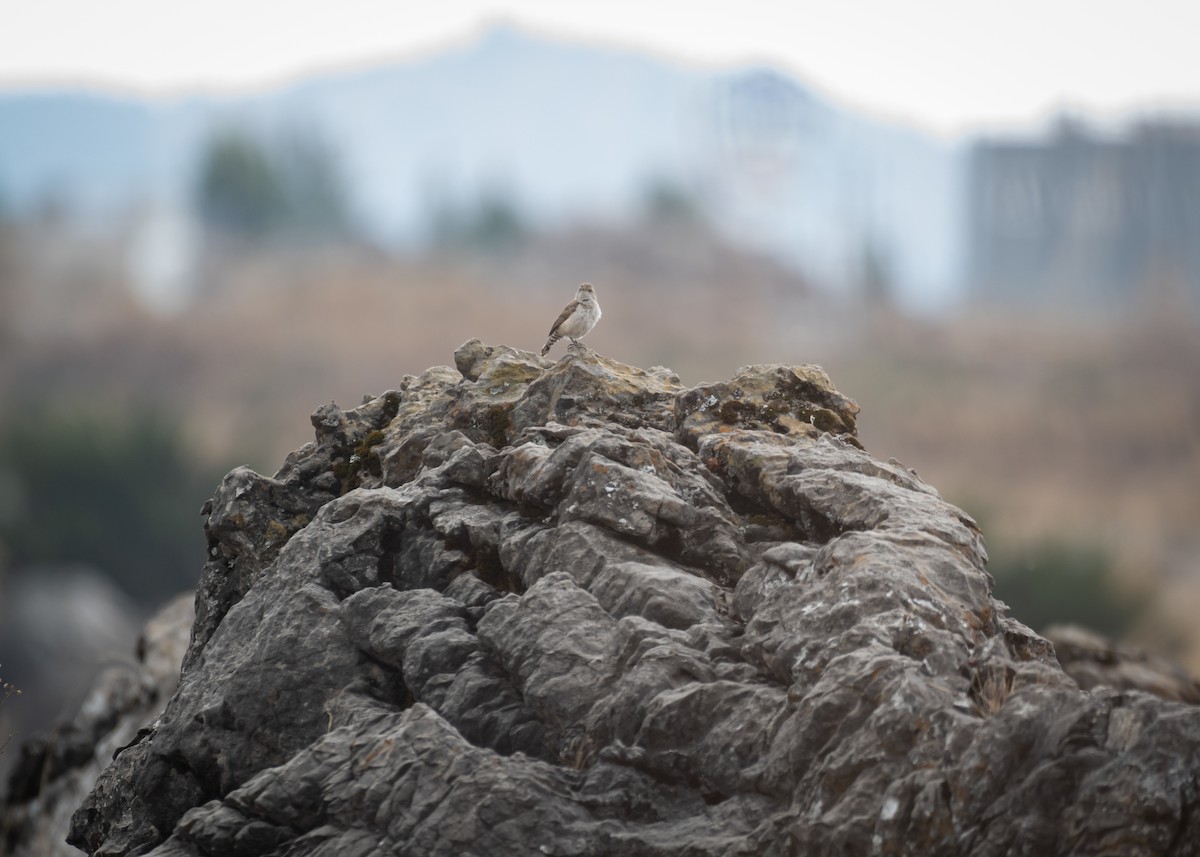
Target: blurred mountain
(565, 132)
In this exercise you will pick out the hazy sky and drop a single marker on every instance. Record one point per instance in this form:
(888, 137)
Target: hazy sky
(946, 65)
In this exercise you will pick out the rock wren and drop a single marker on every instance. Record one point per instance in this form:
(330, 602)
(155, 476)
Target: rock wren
(579, 317)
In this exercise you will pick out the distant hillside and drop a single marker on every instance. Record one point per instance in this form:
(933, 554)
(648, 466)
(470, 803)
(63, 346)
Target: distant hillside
(567, 131)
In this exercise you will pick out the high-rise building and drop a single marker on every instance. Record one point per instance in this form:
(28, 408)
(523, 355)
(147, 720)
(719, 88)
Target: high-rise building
(1088, 221)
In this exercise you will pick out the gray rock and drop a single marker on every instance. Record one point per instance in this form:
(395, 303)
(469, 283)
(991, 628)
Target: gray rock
(1095, 662)
(55, 771)
(575, 608)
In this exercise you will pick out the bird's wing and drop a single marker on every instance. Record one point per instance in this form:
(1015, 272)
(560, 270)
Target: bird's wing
(566, 313)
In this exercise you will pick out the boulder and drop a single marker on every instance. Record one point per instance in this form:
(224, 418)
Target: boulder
(573, 607)
(55, 771)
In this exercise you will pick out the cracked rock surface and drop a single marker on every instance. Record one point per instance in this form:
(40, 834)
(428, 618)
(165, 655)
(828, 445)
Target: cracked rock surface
(575, 608)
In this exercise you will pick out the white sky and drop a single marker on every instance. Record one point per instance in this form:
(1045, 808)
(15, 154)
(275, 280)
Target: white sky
(945, 65)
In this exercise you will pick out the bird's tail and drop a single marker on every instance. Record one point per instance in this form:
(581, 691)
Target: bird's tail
(554, 337)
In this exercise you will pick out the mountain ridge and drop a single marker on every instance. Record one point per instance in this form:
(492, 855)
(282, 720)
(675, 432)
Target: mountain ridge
(569, 131)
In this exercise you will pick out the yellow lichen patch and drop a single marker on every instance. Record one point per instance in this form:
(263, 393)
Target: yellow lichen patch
(275, 533)
(511, 374)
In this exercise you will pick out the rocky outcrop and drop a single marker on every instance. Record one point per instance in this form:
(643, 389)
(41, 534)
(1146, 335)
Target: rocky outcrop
(1095, 662)
(575, 608)
(55, 771)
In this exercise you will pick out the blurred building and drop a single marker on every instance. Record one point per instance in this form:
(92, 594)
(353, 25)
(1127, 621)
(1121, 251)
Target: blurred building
(1086, 220)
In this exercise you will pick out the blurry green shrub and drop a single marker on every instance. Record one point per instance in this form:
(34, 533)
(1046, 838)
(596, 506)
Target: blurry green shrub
(1052, 582)
(123, 496)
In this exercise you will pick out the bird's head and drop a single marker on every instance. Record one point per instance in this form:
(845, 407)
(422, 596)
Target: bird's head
(586, 293)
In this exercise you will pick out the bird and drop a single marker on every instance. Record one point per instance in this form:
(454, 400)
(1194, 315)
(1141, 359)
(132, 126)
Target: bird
(577, 319)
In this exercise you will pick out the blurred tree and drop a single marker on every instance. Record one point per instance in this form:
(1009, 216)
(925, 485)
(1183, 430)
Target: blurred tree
(1059, 582)
(493, 224)
(294, 189)
(497, 223)
(313, 186)
(123, 497)
(239, 190)
(10, 274)
(876, 283)
(665, 201)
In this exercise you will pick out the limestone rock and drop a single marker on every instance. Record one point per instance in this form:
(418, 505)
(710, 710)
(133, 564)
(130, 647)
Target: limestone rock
(575, 608)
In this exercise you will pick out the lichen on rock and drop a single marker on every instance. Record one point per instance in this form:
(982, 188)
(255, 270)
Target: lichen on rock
(577, 608)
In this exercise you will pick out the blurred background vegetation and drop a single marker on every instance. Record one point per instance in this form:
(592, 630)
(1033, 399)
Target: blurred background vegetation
(114, 493)
(1050, 583)
(149, 345)
(249, 191)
